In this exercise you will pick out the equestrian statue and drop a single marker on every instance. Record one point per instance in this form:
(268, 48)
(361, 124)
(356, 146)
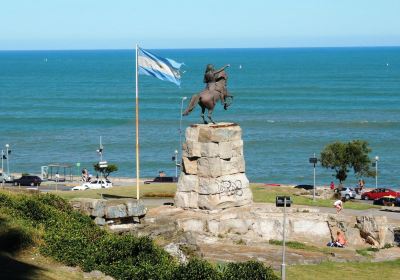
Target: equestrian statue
(214, 91)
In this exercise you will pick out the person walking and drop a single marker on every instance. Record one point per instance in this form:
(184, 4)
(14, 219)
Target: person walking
(338, 204)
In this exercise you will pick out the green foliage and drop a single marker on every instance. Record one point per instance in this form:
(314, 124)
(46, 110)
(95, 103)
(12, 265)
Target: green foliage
(342, 157)
(197, 269)
(290, 244)
(106, 171)
(73, 239)
(248, 270)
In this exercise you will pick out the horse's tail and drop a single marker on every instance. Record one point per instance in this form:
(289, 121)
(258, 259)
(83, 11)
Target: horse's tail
(195, 99)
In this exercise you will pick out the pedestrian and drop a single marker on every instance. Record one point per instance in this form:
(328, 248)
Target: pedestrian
(332, 185)
(57, 177)
(338, 204)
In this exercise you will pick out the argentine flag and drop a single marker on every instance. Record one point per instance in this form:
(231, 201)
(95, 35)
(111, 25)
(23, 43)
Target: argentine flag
(162, 68)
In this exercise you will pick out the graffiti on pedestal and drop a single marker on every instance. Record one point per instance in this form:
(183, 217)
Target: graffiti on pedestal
(229, 188)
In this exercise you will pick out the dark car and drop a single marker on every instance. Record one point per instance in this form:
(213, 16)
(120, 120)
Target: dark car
(386, 201)
(306, 187)
(163, 179)
(28, 180)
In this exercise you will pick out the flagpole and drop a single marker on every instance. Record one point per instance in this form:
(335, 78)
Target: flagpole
(137, 125)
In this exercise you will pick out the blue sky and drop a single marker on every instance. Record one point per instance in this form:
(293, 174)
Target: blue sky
(120, 24)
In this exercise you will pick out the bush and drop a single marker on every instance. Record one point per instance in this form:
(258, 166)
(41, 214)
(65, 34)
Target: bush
(196, 269)
(248, 270)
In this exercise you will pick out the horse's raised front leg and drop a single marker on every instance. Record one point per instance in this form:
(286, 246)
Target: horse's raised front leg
(210, 115)
(203, 109)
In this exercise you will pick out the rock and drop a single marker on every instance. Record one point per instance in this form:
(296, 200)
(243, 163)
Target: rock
(186, 199)
(116, 211)
(174, 250)
(135, 208)
(99, 221)
(232, 198)
(189, 165)
(191, 149)
(188, 183)
(375, 230)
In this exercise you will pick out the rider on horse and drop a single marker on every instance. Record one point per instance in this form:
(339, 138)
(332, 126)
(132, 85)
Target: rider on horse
(210, 77)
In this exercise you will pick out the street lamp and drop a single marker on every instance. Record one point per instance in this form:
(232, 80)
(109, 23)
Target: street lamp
(314, 161)
(176, 163)
(7, 155)
(283, 201)
(376, 171)
(180, 123)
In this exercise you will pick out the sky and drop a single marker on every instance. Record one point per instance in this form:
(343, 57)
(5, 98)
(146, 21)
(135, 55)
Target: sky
(120, 24)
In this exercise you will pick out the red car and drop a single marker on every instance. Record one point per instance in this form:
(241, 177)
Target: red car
(378, 193)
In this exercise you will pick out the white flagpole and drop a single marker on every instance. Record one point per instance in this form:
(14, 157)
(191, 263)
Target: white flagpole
(137, 125)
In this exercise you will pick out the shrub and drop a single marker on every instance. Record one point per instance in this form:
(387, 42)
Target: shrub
(248, 270)
(196, 269)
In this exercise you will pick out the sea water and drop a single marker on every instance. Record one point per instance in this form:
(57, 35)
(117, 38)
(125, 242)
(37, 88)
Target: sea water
(290, 103)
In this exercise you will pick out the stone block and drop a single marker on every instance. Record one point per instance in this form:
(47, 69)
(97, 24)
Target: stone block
(239, 197)
(191, 149)
(186, 199)
(225, 150)
(218, 134)
(232, 166)
(135, 208)
(192, 133)
(209, 167)
(188, 183)
(210, 149)
(116, 211)
(193, 225)
(189, 165)
(223, 184)
(237, 148)
(99, 221)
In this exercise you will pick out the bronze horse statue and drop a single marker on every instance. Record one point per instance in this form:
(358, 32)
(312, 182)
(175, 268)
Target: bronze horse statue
(208, 98)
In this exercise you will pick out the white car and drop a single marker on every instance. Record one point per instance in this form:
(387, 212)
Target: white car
(348, 193)
(97, 184)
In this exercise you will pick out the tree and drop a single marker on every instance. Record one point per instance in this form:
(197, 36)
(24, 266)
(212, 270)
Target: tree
(106, 171)
(342, 157)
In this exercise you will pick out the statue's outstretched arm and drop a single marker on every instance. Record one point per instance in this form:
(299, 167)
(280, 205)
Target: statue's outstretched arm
(222, 69)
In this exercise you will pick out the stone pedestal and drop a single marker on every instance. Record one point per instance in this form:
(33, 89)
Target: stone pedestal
(213, 168)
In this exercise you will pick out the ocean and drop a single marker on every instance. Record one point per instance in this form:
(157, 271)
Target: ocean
(290, 103)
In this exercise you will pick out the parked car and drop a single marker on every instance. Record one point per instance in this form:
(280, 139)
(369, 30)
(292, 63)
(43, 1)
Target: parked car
(378, 193)
(97, 184)
(4, 177)
(306, 187)
(28, 180)
(162, 179)
(348, 193)
(386, 201)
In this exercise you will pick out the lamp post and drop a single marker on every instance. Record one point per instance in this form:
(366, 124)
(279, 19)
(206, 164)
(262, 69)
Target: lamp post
(180, 124)
(314, 161)
(7, 154)
(2, 160)
(376, 171)
(176, 163)
(283, 201)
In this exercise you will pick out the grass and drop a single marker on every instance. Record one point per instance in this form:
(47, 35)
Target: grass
(261, 193)
(366, 252)
(345, 270)
(150, 190)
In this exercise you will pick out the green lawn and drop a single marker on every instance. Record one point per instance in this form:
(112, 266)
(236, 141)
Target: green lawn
(345, 270)
(150, 190)
(261, 193)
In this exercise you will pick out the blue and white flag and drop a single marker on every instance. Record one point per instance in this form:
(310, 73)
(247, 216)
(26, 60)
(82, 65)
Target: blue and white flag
(162, 68)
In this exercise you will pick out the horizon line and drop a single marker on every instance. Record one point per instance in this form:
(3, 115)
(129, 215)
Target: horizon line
(212, 48)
